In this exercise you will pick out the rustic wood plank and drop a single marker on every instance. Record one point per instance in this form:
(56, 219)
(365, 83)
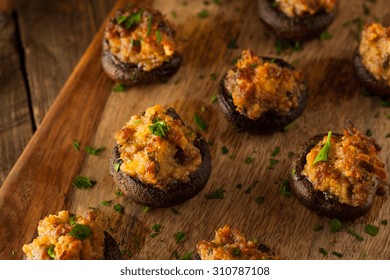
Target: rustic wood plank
(46, 169)
(54, 38)
(15, 122)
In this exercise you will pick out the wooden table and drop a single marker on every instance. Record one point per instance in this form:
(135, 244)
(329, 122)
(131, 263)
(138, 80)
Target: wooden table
(40, 44)
(52, 40)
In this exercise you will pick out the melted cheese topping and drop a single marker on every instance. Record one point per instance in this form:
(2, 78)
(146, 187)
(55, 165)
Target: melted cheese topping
(258, 86)
(157, 159)
(230, 244)
(374, 50)
(54, 231)
(299, 8)
(147, 44)
(353, 171)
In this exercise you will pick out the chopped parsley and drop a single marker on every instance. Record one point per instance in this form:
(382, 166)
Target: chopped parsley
(51, 252)
(272, 163)
(251, 186)
(323, 251)
(213, 99)
(218, 194)
(224, 150)
(371, 230)
(318, 228)
(232, 156)
(157, 229)
(274, 4)
(335, 225)
(213, 77)
(285, 188)
(159, 128)
(368, 133)
(217, 2)
(187, 256)
(276, 151)
(289, 126)
(149, 26)
(76, 145)
(259, 200)
(93, 151)
(118, 208)
(337, 254)
(200, 123)
(158, 37)
(175, 211)
(105, 202)
(384, 222)
(239, 186)
(118, 193)
(203, 14)
(232, 44)
(72, 220)
(83, 182)
(81, 232)
(354, 234)
(131, 20)
(325, 35)
(174, 14)
(249, 160)
(236, 252)
(324, 152)
(136, 43)
(145, 209)
(282, 45)
(180, 236)
(117, 165)
(290, 154)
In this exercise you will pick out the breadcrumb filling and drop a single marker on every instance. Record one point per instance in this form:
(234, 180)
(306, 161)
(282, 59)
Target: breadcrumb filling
(300, 8)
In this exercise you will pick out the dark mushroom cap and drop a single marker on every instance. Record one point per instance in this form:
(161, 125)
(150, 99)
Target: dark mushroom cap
(368, 80)
(174, 192)
(268, 122)
(296, 29)
(111, 248)
(130, 73)
(319, 201)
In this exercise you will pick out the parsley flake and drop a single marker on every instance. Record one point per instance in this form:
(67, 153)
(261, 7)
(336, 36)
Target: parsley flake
(224, 150)
(354, 234)
(203, 14)
(159, 128)
(285, 188)
(200, 123)
(251, 186)
(249, 160)
(371, 230)
(335, 225)
(158, 37)
(94, 152)
(81, 232)
(51, 252)
(118, 208)
(76, 145)
(325, 35)
(218, 194)
(324, 152)
(180, 236)
(83, 182)
(259, 200)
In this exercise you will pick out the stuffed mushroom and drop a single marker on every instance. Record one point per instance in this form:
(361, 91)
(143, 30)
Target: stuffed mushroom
(158, 160)
(230, 244)
(139, 47)
(372, 59)
(66, 236)
(338, 175)
(262, 94)
(297, 19)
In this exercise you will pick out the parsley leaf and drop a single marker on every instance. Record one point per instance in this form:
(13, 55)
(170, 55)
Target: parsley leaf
(200, 123)
(119, 87)
(51, 252)
(94, 152)
(118, 208)
(218, 194)
(203, 14)
(371, 230)
(76, 145)
(180, 236)
(83, 182)
(335, 225)
(324, 152)
(159, 128)
(81, 232)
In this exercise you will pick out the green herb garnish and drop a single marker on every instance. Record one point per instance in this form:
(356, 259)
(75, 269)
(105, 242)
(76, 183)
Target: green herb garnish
(203, 14)
(120, 19)
(368, 133)
(158, 37)
(94, 152)
(117, 165)
(354, 234)
(159, 128)
(175, 211)
(249, 160)
(274, 4)
(232, 44)
(180, 236)
(289, 126)
(239, 186)
(80, 231)
(371, 230)
(105, 202)
(251, 186)
(156, 228)
(83, 182)
(213, 99)
(145, 209)
(200, 123)
(323, 251)
(51, 252)
(276, 151)
(224, 150)
(217, 2)
(236, 252)
(325, 35)
(259, 200)
(384, 222)
(337, 254)
(290, 154)
(188, 255)
(285, 189)
(149, 26)
(72, 220)
(76, 145)
(133, 19)
(323, 154)
(174, 14)
(213, 77)
(272, 163)
(119, 87)
(136, 43)
(335, 225)
(218, 194)
(318, 228)
(118, 208)
(282, 45)
(118, 193)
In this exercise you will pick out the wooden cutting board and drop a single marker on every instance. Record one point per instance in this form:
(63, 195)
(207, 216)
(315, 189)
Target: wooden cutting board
(88, 111)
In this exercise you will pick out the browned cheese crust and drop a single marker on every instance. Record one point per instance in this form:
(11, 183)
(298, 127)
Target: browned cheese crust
(230, 244)
(343, 186)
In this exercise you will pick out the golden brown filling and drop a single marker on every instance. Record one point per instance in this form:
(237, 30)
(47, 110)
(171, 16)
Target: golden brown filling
(374, 50)
(157, 148)
(353, 171)
(230, 244)
(298, 8)
(141, 37)
(66, 237)
(258, 86)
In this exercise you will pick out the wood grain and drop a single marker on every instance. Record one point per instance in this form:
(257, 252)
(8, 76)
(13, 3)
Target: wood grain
(15, 124)
(86, 110)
